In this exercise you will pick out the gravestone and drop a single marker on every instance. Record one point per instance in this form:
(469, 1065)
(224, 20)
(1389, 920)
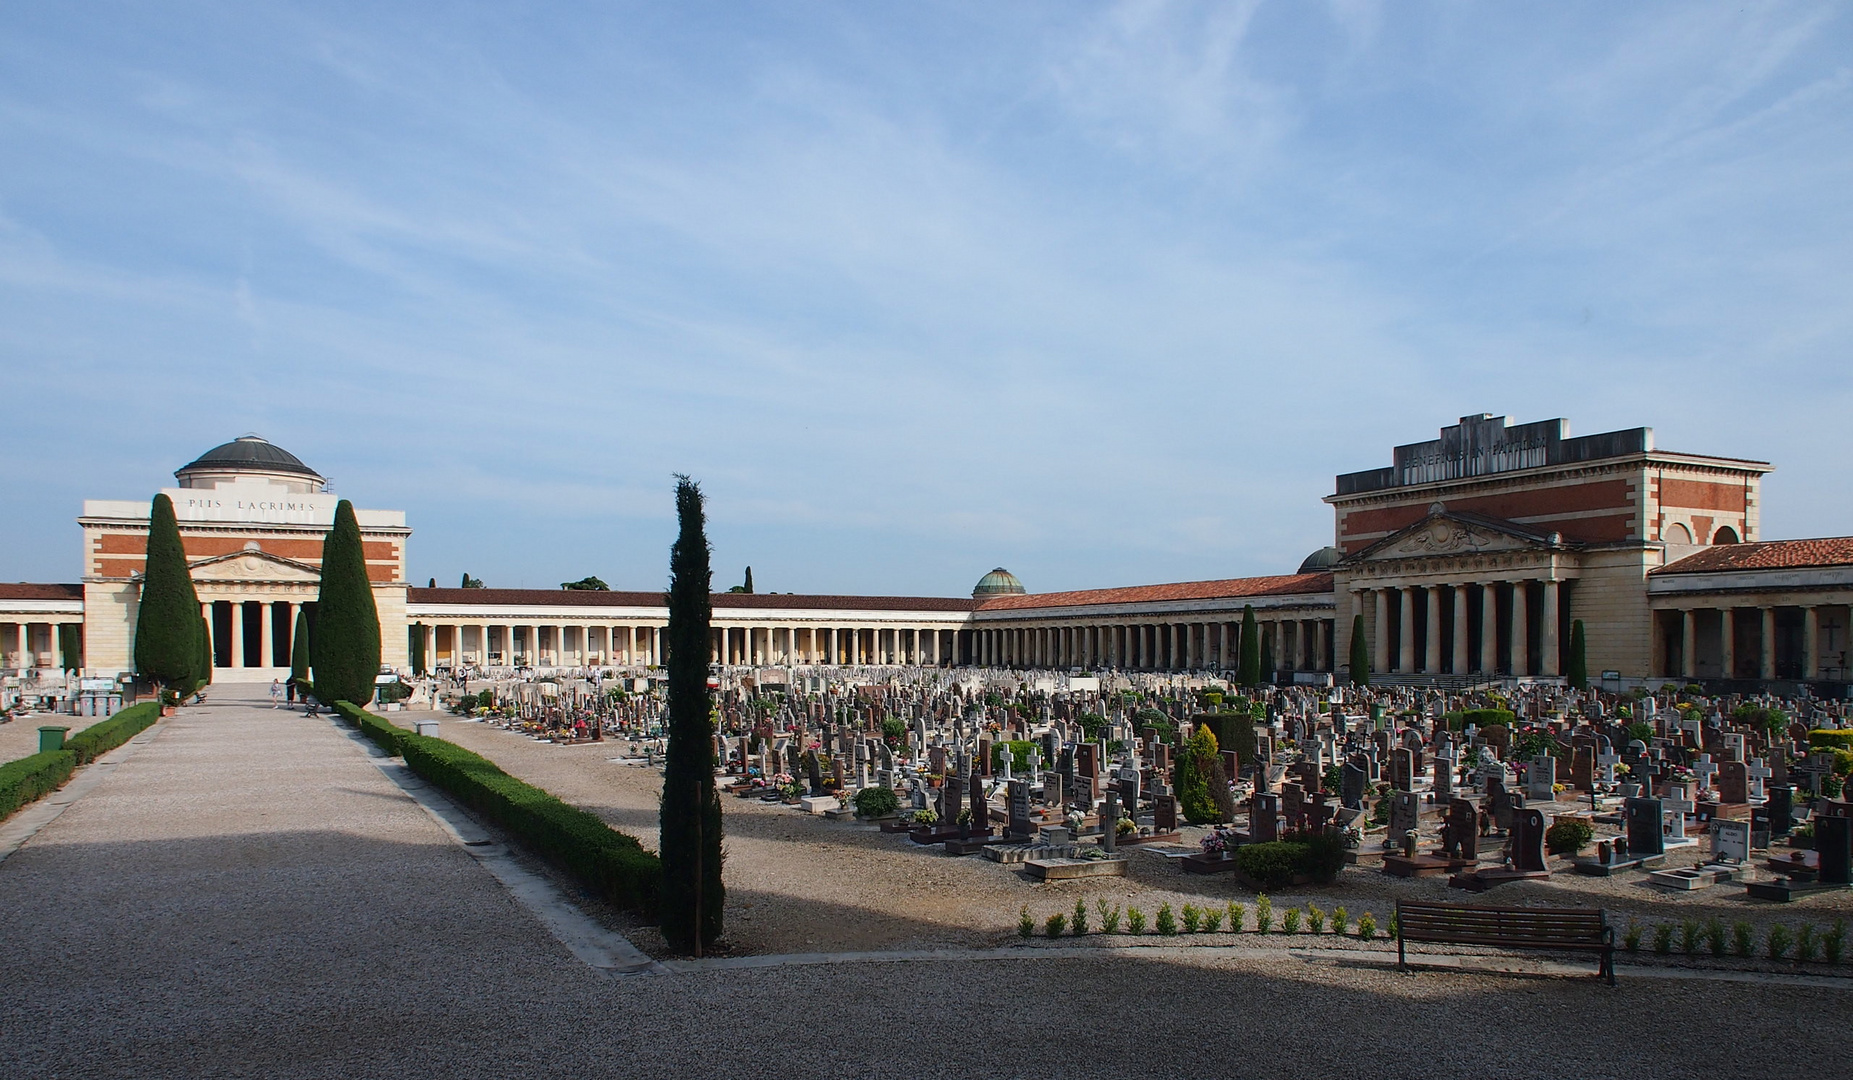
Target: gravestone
(1583, 767)
(1404, 809)
(1733, 782)
(1833, 842)
(1678, 802)
(1052, 789)
(1527, 842)
(1541, 779)
(1402, 769)
(1164, 814)
(1460, 833)
(1351, 786)
(1645, 819)
(1730, 841)
(981, 809)
(1020, 823)
(1264, 817)
(1110, 823)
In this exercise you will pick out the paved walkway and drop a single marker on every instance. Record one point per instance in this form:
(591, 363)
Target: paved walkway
(249, 895)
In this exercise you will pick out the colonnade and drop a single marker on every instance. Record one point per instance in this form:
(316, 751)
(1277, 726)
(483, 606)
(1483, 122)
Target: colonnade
(36, 644)
(251, 633)
(1721, 640)
(1486, 628)
(748, 645)
(1287, 642)
(540, 644)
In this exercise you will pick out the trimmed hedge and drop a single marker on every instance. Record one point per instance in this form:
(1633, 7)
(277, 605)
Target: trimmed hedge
(610, 863)
(31, 778)
(1480, 718)
(1831, 739)
(99, 739)
(1273, 865)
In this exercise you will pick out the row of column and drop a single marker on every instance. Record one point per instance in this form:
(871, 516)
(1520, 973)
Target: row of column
(573, 644)
(33, 644)
(749, 645)
(1287, 644)
(250, 633)
(1823, 645)
(1463, 641)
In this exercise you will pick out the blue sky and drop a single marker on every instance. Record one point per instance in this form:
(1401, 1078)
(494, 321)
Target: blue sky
(1104, 293)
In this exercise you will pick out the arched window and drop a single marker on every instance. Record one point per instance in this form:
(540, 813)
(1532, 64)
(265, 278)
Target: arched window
(1726, 535)
(1678, 534)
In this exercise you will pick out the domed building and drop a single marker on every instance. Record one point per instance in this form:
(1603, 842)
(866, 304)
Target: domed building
(999, 582)
(1320, 561)
(252, 519)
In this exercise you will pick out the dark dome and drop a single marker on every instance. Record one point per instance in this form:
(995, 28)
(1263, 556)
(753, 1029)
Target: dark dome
(999, 582)
(251, 452)
(1323, 559)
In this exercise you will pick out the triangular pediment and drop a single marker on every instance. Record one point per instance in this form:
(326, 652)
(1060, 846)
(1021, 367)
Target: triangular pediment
(252, 564)
(1448, 532)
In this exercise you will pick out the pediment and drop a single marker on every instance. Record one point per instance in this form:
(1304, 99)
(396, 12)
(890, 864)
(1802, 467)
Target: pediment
(253, 565)
(1446, 532)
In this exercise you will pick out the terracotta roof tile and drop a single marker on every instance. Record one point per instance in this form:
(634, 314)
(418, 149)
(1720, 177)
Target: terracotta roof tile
(31, 591)
(1767, 555)
(1225, 589)
(591, 598)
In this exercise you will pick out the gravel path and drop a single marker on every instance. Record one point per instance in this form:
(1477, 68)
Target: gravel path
(249, 896)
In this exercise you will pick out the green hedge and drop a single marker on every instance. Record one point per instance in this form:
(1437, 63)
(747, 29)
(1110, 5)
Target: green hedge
(1273, 865)
(1831, 739)
(32, 778)
(610, 863)
(99, 739)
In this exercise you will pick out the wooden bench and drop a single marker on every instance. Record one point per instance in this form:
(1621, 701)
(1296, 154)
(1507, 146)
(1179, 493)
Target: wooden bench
(1572, 929)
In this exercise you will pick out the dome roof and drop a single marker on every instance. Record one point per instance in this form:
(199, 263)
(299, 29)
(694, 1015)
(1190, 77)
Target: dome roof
(999, 582)
(1323, 559)
(251, 453)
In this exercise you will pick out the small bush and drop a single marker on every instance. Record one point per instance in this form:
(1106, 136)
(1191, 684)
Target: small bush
(1109, 917)
(1192, 918)
(1167, 923)
(1236, 913)
(1806, 944)
(1714, 937)
(1079, 920)
(1367, 927)
(1743, 939)
(1055, 924)
(1663, 939)
(1135, 921)
(1026, 926)
(1341, 920)
(1690, 934)
(1290, 921)
(1777, 944)
(1567, 837)
(1395, 930)
(1212, 919)
(1834, 942)
(875, 802)
(1264, 913)
(1315, 919)
(1631, 941)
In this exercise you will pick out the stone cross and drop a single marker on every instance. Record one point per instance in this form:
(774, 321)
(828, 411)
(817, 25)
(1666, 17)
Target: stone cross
(1605, 764)
(1677, 804)
(1755, 774)
(1704, 768)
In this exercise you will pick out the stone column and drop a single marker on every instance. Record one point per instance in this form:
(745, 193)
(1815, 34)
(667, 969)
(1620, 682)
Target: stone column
(1766, 665)
(1727, 637)
(1549, 617)
(1489, 628)
(1319, 646)
(265, 616)
(1380, 629)
(1521, 628)
(1405, 660)
(1431, 658)
(1811, 643)
(1461, 625)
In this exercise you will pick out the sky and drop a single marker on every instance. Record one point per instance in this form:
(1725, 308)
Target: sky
(1102, 293)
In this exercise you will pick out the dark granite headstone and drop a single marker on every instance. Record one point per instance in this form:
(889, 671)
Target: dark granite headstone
(1351, 786)
(1020, 823)
(1833, 841)
(1733, 782)
(981, 810)
(1646, 822)
(1460, 835)
(1264, 818)
(1527, 841)
(1164, 814)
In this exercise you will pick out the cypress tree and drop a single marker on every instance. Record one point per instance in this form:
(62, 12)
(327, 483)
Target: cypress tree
(1249, 673)
(299, 650)
(691, 812)
(168, 627)
(1579, 664)
(416, 649)
(345, 649)
(202, 633)
(749, 579)
(1360, 652)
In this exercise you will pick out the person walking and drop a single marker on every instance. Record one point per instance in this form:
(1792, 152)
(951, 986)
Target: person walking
(276, 694)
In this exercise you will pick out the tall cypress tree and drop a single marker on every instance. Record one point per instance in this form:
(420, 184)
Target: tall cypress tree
(345, 648)
(1360, 652)
(299, 650)
(691, 815)
(168, 628)
(1578, 670)
(1249, 673)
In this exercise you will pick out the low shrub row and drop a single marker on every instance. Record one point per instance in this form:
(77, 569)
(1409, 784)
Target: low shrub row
(32, 778)
(1805, 944)
(610, 863)
(99, 739)
(1209, 919)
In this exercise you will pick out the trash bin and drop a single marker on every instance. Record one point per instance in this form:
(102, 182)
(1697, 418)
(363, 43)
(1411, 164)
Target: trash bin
(51, 738)
(428, 728)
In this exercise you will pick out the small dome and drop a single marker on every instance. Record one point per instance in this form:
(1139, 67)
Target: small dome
(249, 453)
(1323, 559)
(999, 582)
